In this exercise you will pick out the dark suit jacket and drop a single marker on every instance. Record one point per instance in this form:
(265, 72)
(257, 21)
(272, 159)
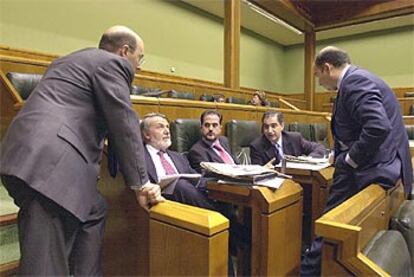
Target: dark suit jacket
(293, 143)
(202, 151)
(367, 120)
(55, 142)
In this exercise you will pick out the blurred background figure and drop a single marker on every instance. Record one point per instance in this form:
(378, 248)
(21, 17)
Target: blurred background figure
(259, 99)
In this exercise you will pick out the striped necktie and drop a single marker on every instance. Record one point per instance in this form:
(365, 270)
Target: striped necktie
(227, 159)
(169, 169)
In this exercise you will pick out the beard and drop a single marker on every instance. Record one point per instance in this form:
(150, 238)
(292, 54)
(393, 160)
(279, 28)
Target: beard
(163, 144)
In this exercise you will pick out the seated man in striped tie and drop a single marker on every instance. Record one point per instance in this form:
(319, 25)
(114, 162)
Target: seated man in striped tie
(160, 162)
(275, 142)
(211, 147)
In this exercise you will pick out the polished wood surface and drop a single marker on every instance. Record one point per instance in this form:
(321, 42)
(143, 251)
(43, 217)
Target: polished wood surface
(232, 44)
(276, 226)
(310, 44)
(187, 241)
(350, 226)
(315, 186)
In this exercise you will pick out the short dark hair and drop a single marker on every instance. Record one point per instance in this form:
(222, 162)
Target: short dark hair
(332, 55)
(271, 113)
(210, 112)
(113, 41)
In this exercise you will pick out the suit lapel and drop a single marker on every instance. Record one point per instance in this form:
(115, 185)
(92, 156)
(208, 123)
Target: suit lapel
(176, 160)
(269, 149)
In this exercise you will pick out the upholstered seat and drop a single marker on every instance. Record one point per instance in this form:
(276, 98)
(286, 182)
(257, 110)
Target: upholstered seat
(207, 98)
(235, 100)
(180, 95)
(403, 221)
(9, 240)
(303, 128)
(24, 83)
(184, 133)
(389, 251)
(409, 94)
(240, 134)
(319, 133)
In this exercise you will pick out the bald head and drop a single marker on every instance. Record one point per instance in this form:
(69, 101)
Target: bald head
(116, 37)
(333, 56)
(124, 42)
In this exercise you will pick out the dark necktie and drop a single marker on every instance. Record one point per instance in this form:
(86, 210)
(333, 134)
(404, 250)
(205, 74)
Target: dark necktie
(169, 169)
(223, 154)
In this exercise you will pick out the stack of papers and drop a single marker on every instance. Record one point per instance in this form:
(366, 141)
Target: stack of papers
(245, 174)
(168, 182)
(305, 162)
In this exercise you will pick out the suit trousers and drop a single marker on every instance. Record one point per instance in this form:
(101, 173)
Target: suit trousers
(52, 240)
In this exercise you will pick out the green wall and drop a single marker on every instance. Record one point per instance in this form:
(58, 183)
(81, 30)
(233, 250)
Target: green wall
(191, 41)
(389, 54)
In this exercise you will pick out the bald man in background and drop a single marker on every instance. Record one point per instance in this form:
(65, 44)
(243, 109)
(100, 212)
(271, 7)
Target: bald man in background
(51, 152)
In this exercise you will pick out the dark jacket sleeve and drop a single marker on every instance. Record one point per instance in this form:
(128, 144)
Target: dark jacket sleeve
(255, 156)
(363, 97)
(195, 158)
(111, 83)
(312, 149)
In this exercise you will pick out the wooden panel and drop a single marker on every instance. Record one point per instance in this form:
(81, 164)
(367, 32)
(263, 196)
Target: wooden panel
(232, 44)
(309, 82)
(177, 108)
(280, 240)
(178, 252)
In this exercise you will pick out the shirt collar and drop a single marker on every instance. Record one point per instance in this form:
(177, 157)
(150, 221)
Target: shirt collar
(341, 76)
(152, 149)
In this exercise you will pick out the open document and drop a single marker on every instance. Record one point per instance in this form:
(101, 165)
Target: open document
(168, 182)
(245, 174)
(305, 162)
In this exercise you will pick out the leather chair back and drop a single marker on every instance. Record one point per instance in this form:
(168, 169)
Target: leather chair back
(409, 94)
(240, 134)
(303, 128)
(24, 83)
(235, 100)
(184, 133)
(207, 98)
(181, 95)
(389, 251)
(411, 112)
(319, 133)
(403, 221)
(410, 131)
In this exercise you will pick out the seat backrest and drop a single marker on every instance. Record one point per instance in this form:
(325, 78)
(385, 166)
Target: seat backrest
(235, 100)
(240, 134)
(24, 83)
(319, 133)
(403, 221)
(410, 131)
(181, 95)
(389, 251)
(304, 128)
(207, 98)
(409, 94)
(411, 111)
(184, 133)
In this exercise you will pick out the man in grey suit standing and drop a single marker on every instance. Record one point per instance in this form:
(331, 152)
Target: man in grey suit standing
(51, 152)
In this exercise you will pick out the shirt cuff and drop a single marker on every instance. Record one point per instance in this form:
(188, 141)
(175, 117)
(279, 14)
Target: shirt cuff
(349, 161)
(140, 187)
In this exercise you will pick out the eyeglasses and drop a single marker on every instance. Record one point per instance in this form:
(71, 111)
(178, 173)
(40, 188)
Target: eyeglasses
(141, 61)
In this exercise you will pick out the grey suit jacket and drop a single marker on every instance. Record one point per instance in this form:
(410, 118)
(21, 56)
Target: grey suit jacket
(55, 142)
(202, 151)
(293, 143)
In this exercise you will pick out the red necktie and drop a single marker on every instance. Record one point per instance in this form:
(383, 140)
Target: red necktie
(169, 169)
(223, 154)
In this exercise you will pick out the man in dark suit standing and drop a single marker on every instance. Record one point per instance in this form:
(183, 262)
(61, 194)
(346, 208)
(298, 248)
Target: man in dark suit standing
(371, 144)
(51, 152)
(274, 143)
(211, 147)
(161, 162)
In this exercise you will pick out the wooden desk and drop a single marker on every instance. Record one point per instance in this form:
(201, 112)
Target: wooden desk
(315, 186)
(276, 225)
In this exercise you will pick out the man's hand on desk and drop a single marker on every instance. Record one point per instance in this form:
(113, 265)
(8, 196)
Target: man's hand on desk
(149, 195)
(270, 164)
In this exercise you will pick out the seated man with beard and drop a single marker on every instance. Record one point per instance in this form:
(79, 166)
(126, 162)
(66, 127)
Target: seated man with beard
(160, 162)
